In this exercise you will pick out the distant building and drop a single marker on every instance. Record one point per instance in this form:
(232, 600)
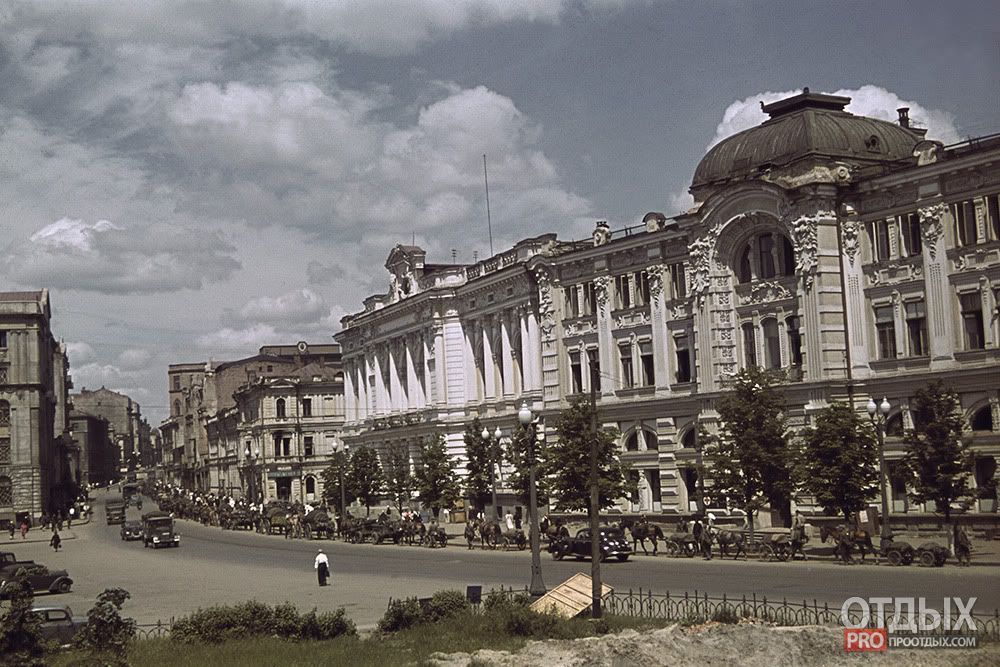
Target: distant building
(98, 452)
(124, 417)
(37, 456)
(851, 254)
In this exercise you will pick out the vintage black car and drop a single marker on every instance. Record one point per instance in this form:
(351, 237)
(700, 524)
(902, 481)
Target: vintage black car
(131, 530)
(41, 579)
(613, 545)
(57, 622)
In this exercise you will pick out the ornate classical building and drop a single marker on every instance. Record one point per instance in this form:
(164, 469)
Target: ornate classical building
(855, 255)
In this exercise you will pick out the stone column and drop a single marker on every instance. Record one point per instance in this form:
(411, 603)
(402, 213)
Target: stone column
(533, 353)
(609, 372)
(350, 404)
(854, 295)
(412, 384)
(658, 316)
(489, 360)
(506, 355)
(937, 291)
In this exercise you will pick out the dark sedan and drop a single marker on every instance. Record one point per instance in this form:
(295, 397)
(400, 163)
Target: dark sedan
(613, 545)
(41, 579)
(131, 530)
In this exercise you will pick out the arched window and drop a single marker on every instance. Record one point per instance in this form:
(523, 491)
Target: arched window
(651, 442)
(749, 344)
(310, 485)
(279, 408)
(772, 344)
(690, 439)
(632, 442)
(177, 407)
(894, 425)
(768, 264)
(4, 413)
(743, 271)
(765, 256)
(787, 257)
(983, 419)
(6, 492)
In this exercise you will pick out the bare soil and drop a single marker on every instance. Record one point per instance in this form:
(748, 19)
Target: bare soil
(714, 644)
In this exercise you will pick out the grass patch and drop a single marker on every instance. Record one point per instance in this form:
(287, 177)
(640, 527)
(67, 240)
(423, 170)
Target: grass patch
(465, 632)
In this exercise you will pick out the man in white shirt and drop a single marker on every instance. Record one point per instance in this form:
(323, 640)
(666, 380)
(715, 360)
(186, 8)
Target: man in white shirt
(322, 567)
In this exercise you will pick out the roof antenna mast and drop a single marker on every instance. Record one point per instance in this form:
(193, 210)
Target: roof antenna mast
(489, 223)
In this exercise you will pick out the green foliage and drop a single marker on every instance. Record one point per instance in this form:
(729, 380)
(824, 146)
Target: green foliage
(498, 600)
(749, 461)
(523, 622)
(936, 455)
(445, 604)
(364, 478)
(437, 486)
(478, 481)
(106, 632)
(399, 480)
(255, 619)
(567, 464)
(331, 480)
(20, 640)
(400, 615)
(838, 461)
(725, 614)
(518, 455)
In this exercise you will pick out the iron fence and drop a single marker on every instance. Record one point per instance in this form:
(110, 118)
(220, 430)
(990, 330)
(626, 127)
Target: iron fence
(157, 630)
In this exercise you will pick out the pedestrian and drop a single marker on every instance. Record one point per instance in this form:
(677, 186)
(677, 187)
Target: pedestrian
(322, 567)
(56, 541)
(707, 535)
(24, 529)
(963, 547)
(69, 517)
(10, 525)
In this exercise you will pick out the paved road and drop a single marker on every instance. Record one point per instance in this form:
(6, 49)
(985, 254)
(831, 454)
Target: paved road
(213, 566)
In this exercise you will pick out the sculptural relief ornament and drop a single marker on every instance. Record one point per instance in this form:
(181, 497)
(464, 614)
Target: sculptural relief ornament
(546, 313)
(850, 233)
(602, 285)
(930, 225)
(701, 252)
(804, 237)
(656, 275)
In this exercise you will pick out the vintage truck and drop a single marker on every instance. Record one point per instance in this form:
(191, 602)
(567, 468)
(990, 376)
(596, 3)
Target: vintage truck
(158, 530)
(114, 511)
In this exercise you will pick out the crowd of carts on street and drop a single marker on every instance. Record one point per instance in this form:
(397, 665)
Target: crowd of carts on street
(688, 538)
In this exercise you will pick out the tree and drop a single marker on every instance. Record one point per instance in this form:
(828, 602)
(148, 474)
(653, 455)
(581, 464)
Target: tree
(21, 642)
(107, 634)
(838, 461)
(478, 478)
(936, 455)
(332, 477)
(364, 478)
(518, 457)
(567, 464)
(398, 477)
(750, 462)
(436, 483)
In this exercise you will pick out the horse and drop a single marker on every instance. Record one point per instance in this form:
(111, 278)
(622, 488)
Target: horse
(846, 541)
(553, 531)
(490, 533)
(643, 530)
(726, 538)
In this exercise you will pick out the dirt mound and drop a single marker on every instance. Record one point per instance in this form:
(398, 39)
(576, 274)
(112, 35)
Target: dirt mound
(747, 645)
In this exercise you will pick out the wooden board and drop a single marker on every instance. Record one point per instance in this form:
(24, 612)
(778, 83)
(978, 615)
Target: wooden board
(570, 597)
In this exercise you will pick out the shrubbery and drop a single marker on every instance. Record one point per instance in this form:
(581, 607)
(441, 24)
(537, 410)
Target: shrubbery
(20, 640)
(106, 632)
(445, 604)
(254, 619)
(400, 615)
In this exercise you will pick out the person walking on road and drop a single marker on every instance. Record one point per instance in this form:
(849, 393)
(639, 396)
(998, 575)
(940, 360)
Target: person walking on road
(56, 541)
(322, 567)
(24, 530)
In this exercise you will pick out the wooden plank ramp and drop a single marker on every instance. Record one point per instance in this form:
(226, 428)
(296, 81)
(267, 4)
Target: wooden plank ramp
(570, 597)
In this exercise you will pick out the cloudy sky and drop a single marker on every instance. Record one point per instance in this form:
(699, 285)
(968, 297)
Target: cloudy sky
(192, 180)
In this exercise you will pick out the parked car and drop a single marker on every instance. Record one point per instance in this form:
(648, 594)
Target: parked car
(9, 562)
(41, 579)
(613, 545)
(131, 530)
(57, 622)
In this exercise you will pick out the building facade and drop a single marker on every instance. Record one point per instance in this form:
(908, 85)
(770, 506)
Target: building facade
(852, 254)
(37, 456)
(98, 451)
(129, 431)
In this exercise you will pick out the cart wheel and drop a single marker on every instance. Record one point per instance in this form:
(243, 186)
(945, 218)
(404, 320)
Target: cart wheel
(894, 557)
(927, 559)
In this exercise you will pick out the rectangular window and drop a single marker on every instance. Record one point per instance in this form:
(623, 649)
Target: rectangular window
(3, 339)
(641, 288)
(993, 211)
(286, 446)
(5, 451)
(177, 383)
(307, 407)
(625, 353)
(683, 355)
(772, 344)
(909, 225)
(307, 446)
(572, 301)
(594, 369)
(766, 254)
(916, 328)
(794, 340)
(589, 299)
(623, 293)
(646, 358)
(885, 330)
(879, 232)
(965, 222)
(678, 282)
(972, 320)
(575, 373)
(749, 344)
(277, 444)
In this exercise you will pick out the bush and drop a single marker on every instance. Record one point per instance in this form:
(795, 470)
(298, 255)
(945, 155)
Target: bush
(20, 640)
(253, 619)
(106, 632)
(400, 615)
(445, 604)
(726, 614)
(524, 622)
(498, 600)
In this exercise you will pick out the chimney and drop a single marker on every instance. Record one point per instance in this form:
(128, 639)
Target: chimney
(904, 116)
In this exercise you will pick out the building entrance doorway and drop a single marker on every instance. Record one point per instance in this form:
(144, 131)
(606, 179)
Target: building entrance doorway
(283, 488)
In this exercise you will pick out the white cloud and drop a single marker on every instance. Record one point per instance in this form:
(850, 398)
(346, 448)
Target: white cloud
(134, 358)
(302, 305)
(868, 100)
(113, 259)
(239, 341)
(79, 353)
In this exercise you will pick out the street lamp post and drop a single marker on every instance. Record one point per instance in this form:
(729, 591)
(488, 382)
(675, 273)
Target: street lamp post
(497, 434)
(252, 481)
(537, 588)
(878, 415)
(699, 448)
(344, 450)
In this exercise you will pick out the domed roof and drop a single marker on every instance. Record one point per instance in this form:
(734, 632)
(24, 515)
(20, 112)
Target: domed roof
(808, 124)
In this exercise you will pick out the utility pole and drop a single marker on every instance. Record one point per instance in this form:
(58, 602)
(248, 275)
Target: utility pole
(595, 503)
